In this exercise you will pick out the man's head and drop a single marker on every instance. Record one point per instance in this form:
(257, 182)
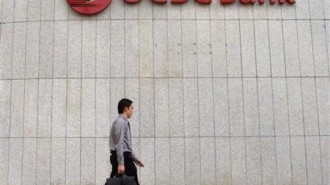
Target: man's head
(125, 107)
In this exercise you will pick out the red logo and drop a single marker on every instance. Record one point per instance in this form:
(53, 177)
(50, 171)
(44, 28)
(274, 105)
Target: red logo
(89, 7)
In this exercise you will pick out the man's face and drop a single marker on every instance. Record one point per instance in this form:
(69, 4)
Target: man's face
(129, 111)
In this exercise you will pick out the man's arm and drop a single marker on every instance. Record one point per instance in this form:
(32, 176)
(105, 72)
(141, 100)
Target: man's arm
(119, 135)
(137, 161)
(134, 157)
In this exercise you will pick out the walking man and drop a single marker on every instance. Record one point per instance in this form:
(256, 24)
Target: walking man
(122, 157)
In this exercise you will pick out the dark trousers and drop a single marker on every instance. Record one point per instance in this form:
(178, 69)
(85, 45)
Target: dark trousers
(130, 168)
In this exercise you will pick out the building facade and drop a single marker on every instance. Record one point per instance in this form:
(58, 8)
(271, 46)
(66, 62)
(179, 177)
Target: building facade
(223, 94)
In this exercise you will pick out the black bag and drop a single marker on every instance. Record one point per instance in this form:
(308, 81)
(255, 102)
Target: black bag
(121, 180)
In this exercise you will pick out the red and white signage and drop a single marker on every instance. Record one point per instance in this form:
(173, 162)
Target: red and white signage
(90, 7)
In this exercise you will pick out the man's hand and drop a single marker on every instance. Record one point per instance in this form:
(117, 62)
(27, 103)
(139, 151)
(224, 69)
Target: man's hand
(139, 163)
(121, 169)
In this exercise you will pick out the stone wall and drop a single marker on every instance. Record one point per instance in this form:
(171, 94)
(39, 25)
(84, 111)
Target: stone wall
(235, 94)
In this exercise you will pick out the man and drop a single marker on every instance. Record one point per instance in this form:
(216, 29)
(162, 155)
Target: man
(122, 157)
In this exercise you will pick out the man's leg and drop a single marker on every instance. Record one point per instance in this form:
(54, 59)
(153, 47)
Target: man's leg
(114, 164)
(130, 168)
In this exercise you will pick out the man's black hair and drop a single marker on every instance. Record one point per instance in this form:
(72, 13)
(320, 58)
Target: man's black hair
(124, 103)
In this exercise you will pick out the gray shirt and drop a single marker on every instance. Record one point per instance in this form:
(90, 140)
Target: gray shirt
(121, 139)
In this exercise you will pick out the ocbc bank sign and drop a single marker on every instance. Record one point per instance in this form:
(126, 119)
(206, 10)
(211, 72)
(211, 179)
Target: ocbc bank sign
(90, 7)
